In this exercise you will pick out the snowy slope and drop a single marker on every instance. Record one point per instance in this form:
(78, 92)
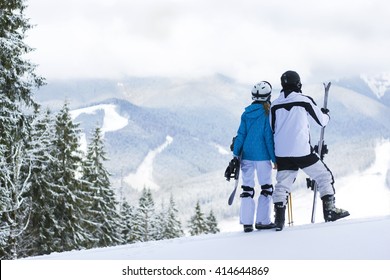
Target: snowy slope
(143, 177)
(379, 84)
(112, 119)
(353, 239)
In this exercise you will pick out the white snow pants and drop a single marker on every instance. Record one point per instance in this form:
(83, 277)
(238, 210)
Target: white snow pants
(317, 171)
(263, 170)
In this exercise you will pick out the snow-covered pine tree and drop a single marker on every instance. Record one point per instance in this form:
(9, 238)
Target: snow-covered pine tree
(104, 222)
(160, 222)
(17, 80)
(144, 229)
(212, 224)
(197, 223)
(128, 215)
(38, 236)
(172, 225)
(68, 197)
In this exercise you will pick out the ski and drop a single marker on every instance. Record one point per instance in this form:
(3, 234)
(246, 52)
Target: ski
(233, 194)
(311, 183)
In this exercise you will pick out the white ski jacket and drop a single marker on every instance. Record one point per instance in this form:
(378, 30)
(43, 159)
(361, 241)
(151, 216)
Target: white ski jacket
(290, 123)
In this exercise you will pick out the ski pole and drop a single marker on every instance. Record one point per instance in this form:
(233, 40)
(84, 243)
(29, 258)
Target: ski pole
(289, 210)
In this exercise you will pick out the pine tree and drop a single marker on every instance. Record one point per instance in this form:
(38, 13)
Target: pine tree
(17, 80)
(36, 238)
(160, 224)
(144, 229)
(197, 223)
(128, 219)
(68, 198)
(104, 221)
(171, 225)
(212, 225)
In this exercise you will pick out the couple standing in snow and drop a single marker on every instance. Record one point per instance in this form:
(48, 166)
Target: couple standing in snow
(278, 136)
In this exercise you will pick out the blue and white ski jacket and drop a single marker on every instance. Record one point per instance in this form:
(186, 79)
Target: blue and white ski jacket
(254, 136)
(289, 120)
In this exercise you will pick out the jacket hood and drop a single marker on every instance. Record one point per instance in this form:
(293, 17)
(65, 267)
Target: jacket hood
(289, 94)
(254, 110)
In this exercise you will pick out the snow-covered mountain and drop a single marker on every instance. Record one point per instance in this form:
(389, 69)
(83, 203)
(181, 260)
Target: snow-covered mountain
(373, 86)
(379, 84)
(173, 135)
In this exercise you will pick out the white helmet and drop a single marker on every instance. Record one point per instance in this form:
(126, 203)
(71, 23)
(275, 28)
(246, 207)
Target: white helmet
(262, 91)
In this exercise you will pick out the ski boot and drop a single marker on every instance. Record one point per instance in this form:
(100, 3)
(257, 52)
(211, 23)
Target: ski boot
(248, 228)
(331, 213)
(280, 211)
(260, 226)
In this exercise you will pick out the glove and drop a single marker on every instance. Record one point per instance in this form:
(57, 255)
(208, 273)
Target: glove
(324, 150)
(232, 169)
(324, 110)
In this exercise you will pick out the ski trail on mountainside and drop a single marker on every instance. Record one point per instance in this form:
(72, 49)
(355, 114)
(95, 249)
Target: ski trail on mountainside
(112, 121)
(143, 177)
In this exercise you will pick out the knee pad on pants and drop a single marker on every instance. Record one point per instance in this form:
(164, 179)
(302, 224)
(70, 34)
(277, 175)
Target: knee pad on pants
(247, 192)
(267, 190)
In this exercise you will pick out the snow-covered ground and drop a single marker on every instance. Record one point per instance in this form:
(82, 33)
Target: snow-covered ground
(353, 239)
(353, 248)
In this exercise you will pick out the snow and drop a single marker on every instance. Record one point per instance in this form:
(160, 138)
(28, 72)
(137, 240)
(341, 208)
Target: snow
(221, 149)
(112, 120)
(371, 195)
(379, 84)
(143, 177)
(351, 248)
(342, 240)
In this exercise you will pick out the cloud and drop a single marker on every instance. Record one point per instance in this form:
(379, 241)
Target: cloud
(247, 40)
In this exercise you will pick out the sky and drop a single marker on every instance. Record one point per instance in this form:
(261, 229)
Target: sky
(245, 40)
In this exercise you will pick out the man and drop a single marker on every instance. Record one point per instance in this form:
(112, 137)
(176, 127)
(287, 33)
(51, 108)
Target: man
(289, 119)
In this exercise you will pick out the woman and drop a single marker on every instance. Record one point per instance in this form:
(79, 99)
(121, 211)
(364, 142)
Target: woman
(254, 147)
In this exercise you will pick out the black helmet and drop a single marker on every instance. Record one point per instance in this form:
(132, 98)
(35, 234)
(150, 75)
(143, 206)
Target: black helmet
(291, 81)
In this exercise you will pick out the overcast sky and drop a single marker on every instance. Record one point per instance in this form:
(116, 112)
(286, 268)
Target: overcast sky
(246, 40)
